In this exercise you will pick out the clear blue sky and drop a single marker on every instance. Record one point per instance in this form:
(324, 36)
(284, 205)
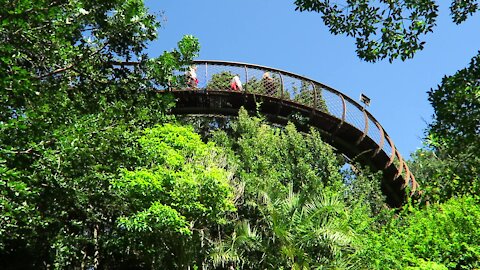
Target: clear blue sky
(272, 33)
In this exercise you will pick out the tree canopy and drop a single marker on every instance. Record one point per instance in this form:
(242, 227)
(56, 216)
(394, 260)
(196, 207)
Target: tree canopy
(449, 164)
(68, 116)
(385, 29)
(456, 103)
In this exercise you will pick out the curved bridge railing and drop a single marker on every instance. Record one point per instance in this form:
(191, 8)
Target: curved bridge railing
(269, 82)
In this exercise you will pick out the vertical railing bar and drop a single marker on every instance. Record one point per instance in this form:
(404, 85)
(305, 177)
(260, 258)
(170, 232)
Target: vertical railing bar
(206, 75)
(400, 170)
(408, 174)
(365, 130)
(392, 156)
(314, 96)
(382, 138)
(414, 183)
(282, 88)
(246, 79)
(344, 113)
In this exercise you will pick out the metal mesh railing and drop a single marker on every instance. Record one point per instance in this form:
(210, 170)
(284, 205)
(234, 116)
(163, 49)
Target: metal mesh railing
(247, 78)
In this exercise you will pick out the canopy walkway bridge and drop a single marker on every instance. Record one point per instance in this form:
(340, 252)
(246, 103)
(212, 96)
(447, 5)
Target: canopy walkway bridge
(283, 96)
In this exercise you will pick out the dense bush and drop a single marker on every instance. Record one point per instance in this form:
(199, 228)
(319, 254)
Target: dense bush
(445, 234)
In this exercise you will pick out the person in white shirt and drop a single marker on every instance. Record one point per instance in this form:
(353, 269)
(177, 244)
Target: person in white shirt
(191, 77)
(236, 84)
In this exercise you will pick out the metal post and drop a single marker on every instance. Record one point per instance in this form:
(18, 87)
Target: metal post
(344, 113)
(246, 78)
(400, 170)
(365, 130)
(206, 75)
(382, 139)
(281, 85)
(392, 156)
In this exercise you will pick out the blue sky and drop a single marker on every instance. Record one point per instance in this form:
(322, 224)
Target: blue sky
(272, 33)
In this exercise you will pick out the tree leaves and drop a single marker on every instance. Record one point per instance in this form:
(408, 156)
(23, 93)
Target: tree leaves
(456, 103)
(441, 236)
(385, 29)
(461, 9)
(450, 166)
(292, 202)
(71, 110)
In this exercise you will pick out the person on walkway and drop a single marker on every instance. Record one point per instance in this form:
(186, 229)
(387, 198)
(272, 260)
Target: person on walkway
(268, 84)
(236, 84)
(191, 77)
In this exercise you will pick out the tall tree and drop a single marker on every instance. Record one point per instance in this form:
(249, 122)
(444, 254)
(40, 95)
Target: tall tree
(67, 109)
(450, 165)
(456, 103)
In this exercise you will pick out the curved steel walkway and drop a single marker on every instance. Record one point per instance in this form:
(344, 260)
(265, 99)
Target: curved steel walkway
(284, 97)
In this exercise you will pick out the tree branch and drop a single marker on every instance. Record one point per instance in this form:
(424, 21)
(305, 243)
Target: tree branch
(61, 70)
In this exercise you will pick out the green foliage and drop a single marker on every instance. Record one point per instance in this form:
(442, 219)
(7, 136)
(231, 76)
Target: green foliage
(449, 165)
(444, 236)
(305, 95)
(161, 70)
(18, 215)
(70, 115)
(385, 29)
(444, 176)
(456, 103)
(363, 187)
(59, 61)
(75, 208)
(157, 218)
(175, 197)
(460, 10)
(113, 190)
(291, 210)
(181, 170)
(284, 156)
(220, 81)
(427, 265)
